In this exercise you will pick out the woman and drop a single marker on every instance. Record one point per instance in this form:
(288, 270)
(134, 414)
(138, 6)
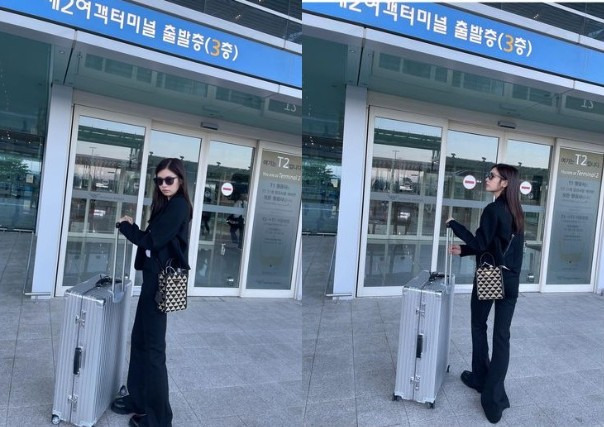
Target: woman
(166, 237)
(501, 228)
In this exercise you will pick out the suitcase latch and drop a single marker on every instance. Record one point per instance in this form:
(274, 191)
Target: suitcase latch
(73, 399)
(415, 381)
(81, 319)
(421, 310)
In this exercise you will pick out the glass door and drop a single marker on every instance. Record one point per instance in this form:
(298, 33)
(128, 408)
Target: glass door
(532, 157)
(103, 184)
(223, 222)
(400, 203)
(575, 223)
(164, 143)
(470, 155)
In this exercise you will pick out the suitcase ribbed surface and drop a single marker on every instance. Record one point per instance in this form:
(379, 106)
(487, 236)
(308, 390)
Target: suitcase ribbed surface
(94, 323)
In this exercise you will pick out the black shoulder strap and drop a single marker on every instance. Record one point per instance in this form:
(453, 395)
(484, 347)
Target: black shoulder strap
(509, 244)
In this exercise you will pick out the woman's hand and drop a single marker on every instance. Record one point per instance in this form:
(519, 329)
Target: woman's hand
(126, 218)
(450, 219)
(455, 250)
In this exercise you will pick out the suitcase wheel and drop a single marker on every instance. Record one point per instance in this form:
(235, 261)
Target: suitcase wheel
(55, 419)
(430, 405)
(395, 398)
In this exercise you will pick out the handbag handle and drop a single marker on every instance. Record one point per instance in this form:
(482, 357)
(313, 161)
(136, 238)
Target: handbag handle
(487, 253)
(491, 255)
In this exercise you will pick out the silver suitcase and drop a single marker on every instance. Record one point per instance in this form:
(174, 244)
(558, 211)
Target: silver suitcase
(91, 357)
(424, 337)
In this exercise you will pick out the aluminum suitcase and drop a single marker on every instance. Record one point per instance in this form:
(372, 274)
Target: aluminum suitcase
(424, 337)
(91, 361)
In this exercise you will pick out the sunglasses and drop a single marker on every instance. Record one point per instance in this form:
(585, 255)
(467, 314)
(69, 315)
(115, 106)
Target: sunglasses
(169, 180)
(492, 175)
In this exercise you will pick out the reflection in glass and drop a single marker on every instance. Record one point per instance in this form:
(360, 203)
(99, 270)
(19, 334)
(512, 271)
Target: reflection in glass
(464, 193)
(223, 219)
(404, 179)
(106, 177)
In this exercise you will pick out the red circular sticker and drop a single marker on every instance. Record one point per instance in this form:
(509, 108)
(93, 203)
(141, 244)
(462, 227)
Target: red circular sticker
(227, 189)
(469, 182)
(526, 187)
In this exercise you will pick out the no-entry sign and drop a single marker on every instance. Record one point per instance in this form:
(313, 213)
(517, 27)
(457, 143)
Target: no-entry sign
(469, 182)
(227, 189)
(526, 187)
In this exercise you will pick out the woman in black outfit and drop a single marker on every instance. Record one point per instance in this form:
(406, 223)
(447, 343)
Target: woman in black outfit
(166, 237)
(500, 221)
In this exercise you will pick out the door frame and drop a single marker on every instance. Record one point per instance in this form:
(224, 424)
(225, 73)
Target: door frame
(592, 286)
(78, 111)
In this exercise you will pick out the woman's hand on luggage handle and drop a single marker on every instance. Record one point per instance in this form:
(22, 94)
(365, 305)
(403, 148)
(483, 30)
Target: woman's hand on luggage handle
(126, 218)
(455, 250)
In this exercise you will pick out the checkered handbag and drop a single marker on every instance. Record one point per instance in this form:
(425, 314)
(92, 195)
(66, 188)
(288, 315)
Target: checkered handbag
(489, 281)
(172, 291)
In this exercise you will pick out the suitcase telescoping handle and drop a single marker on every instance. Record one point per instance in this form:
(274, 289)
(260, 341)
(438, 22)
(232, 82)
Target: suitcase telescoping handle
(113, 272)
(448, 256)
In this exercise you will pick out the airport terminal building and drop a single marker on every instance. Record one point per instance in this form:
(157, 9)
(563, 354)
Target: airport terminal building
(408, 105)
(94, 93)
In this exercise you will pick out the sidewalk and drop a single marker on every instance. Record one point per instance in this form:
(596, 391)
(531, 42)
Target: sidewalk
(556, 374)
(231, 361)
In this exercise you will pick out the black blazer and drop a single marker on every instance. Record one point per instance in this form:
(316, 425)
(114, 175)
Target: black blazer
(167, 235)
(493, 236)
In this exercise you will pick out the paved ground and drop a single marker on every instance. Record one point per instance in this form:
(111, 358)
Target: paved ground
(556, 375)
(249, 362)
(231, 361)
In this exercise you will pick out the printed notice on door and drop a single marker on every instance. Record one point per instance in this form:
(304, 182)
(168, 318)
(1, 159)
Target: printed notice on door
(575, 217)
(275, 222)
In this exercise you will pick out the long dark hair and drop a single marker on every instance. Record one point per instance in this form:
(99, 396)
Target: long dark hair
(511, 194)
(159, 200)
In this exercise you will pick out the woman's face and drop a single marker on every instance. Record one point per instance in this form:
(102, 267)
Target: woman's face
(163, 180)
(494, 182)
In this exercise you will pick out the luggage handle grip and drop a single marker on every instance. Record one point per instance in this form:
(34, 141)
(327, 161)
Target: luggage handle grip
(77, 360)
(419, 349)
(113, 281)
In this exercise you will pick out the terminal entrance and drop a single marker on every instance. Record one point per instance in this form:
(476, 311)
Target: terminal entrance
(112, 164)
(421, 171)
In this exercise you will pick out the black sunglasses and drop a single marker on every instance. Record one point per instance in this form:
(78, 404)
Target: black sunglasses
(169, 180)
(492, 175)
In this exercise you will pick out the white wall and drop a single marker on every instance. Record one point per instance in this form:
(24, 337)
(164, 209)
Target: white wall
(351, 193)
(52, 190)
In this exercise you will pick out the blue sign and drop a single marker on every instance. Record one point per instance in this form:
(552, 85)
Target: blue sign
(465, 31)
(138, 25)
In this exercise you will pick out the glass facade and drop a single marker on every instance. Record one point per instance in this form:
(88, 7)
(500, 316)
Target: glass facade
(23, 126)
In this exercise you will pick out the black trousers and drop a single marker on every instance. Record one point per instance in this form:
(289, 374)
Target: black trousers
(490, 373)
(147, 373)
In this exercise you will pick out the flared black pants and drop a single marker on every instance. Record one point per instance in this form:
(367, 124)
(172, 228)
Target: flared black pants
(147, 373)
(490, 373)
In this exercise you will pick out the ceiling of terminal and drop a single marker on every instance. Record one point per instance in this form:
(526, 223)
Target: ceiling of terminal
(329, 66)
(24, 75)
